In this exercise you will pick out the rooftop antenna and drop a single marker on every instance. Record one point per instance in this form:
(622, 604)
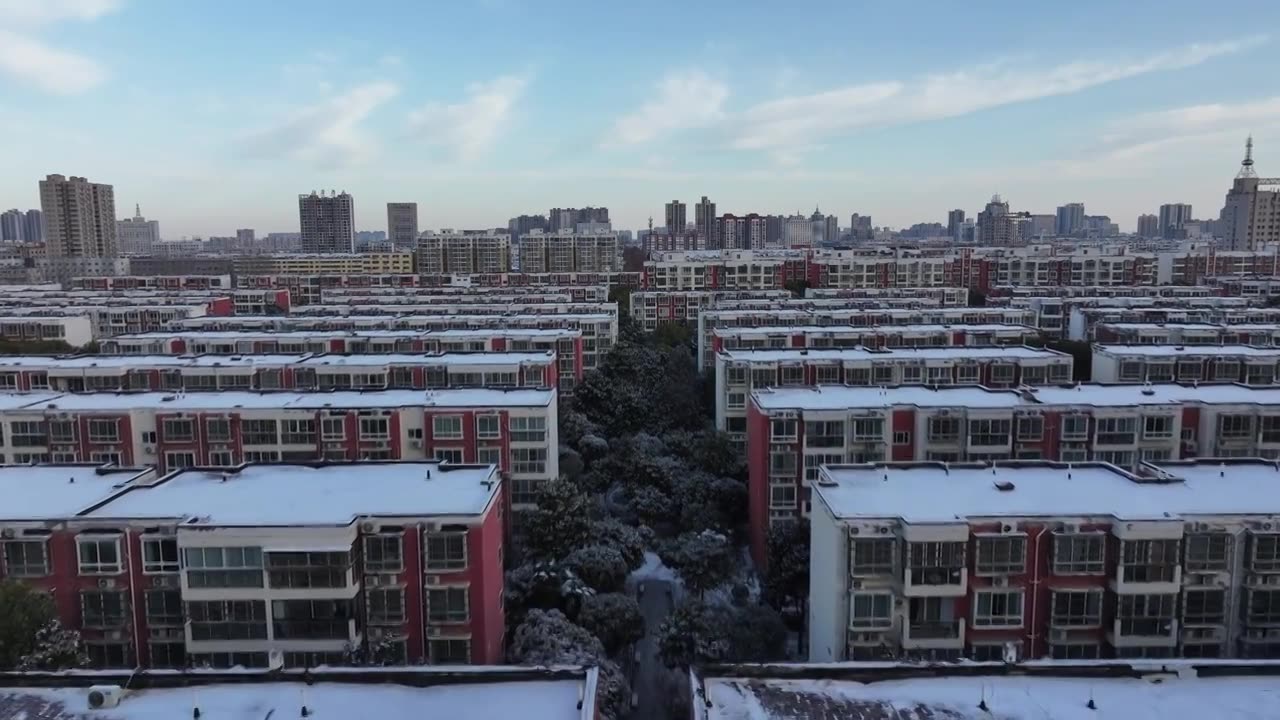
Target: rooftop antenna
(1246, 167)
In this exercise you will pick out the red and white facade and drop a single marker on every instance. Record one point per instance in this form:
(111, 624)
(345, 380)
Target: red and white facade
(265, 565)
(725, 270)
(1262, 334)
(512, 428)
(1034, 559)
(76, 331)
(1186, 363)
(152, 282)
(882, 336)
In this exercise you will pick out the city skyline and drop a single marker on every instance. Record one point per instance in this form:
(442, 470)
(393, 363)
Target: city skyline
(122, 90)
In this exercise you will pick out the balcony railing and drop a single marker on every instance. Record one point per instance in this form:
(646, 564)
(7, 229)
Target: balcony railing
(312, 629)
(949, 630)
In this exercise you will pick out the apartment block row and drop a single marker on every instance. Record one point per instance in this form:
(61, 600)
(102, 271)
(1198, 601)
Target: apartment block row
(1034, 559)
(309, 289)
(264, 564)
(852, 312)
(470, 293)
(460, 306)
(557, 253)
(1257, 334)
(514, 429)
(1245, 364)
(462, 253)
(875, 337)
(739, 372)
(152, 282)
(306, 371)
(792, 432)
(650, 308)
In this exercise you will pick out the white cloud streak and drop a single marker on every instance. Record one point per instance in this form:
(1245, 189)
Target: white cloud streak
(329, 133)
(471, 127)
(27, 58)
(682, 100)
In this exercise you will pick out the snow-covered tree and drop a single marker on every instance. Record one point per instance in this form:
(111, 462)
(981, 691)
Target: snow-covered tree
(547, 637)
(543, 586)
(23, 613)
(571, 464)
(698, 633)
(707, 502)
(704, 560)
(628, 540)
(55, 648)
(560, 523)
(614, 618)
(371, 653)
(786, 578)
(603, 567)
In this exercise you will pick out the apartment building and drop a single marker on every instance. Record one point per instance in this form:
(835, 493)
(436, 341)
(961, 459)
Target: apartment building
(1184, 363)
(264, 564)
(1258, 334)
(460, 306)
(610, 278)
(725, 270)
(944, 296)
(75, 330)
(739, 372)
(881, 336)
(463, 253)
(106, 321)
(308, 289)
(567, 344)
(333, 264)
(1033, 559)
(467, 293)
(151, 282)
(651, 308)
(514, 428)
(304, 372)
(865, 313)
(570, 252)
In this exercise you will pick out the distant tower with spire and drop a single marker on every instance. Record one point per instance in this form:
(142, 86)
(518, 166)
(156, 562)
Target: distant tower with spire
(1246, 166)
(1250, 218)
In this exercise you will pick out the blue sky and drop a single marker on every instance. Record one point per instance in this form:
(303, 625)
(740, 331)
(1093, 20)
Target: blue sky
(216, 115)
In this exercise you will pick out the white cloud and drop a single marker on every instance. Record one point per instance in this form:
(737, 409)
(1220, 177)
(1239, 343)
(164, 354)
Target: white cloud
(30, 60)
(803, 120)
(329, 133)
(683, 100)
(391, 60)
(471, 127)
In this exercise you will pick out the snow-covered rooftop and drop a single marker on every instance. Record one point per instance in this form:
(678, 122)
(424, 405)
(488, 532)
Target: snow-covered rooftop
(476, 358)
(1207, 327)
(1176, 350)
(1007, 697)
(1156, 394)
(998, 352)
(940, 493)
(229, 399)
(333, 494)
(13, 401)
(131, 362)
(865, 329)
(843, 397)
(44, 492)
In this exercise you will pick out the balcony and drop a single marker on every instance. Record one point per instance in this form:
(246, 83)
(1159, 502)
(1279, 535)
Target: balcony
(938, 634)
(1147, 579)
(1143, 632)
(935, 582)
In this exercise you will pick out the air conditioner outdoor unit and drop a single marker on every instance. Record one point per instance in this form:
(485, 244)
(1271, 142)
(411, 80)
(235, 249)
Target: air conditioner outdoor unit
(433, 579)
(368, 527)
(372, 581)
(104, 696)
(1000, 582)
(106, 583)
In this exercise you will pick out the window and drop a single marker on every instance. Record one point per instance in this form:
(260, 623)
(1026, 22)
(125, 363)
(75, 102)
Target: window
(228, 620)
(447, 551)
(528, 429)
(298, 432)
(1002, 555)
(824, 433)
(813, 465)
(26, 558)
(1116, 431)
(164, 607)
(178, 460)
(261, 456)
(108, 654)
(104, 431)
(1207, 552)
(102, 610)
(1206, 606)
(225, 567)
(450, 651)
(375, 428)
(1144, 561)
(62, 431)
(782, 495)
(99, 555)
(1076, 608)
(902, 438)
(386, 606)
(159, 555)
(989, 432)
(783, 430)
(168, 654)
(28, 434)
(524, 491)
(1263, 607)
(177, 430)
(870, 611)
(383, 554)
(218, 430)
(333, 429)
(1079, 553)
(449, 455)
(1157, 427)
(1235, 427)
(944, 429)
(298, 569)
(446, 427)
(528, 461)
(258, 432)
(1030, 427)
(998, 609)
(987, 652)
(1270, 429)
(1075, 651)
(1264, 551)
(447, 605)
(1075, 428)
(1149, 615)
(487, 427)
(868, 430)
(311, 619)
(489, 455)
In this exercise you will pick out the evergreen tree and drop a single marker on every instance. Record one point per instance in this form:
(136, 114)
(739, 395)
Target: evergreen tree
(24, 612)
(55, 648)
(560, 523)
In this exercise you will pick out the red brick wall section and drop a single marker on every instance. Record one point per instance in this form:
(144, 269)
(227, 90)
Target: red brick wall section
(758, 482)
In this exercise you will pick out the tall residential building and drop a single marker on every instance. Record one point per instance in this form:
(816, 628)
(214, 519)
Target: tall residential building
(137, 235)
(11, 226)
(773, 230)
(525, 224)
(566, 219)
(704, 220)
(797, 232)
(1148, 226)
(747, 232)
(675, 217)
(33, 226)
(831, 233)
(995, 225)
(570, 252)
(246, 237)
(79, 217)
(1172, 217)
(1041, 225)
(327, 222)
(860, 227)
(1250, 216)
(463, 253)
(1070, 219)
(955, 221)
(402, 224)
